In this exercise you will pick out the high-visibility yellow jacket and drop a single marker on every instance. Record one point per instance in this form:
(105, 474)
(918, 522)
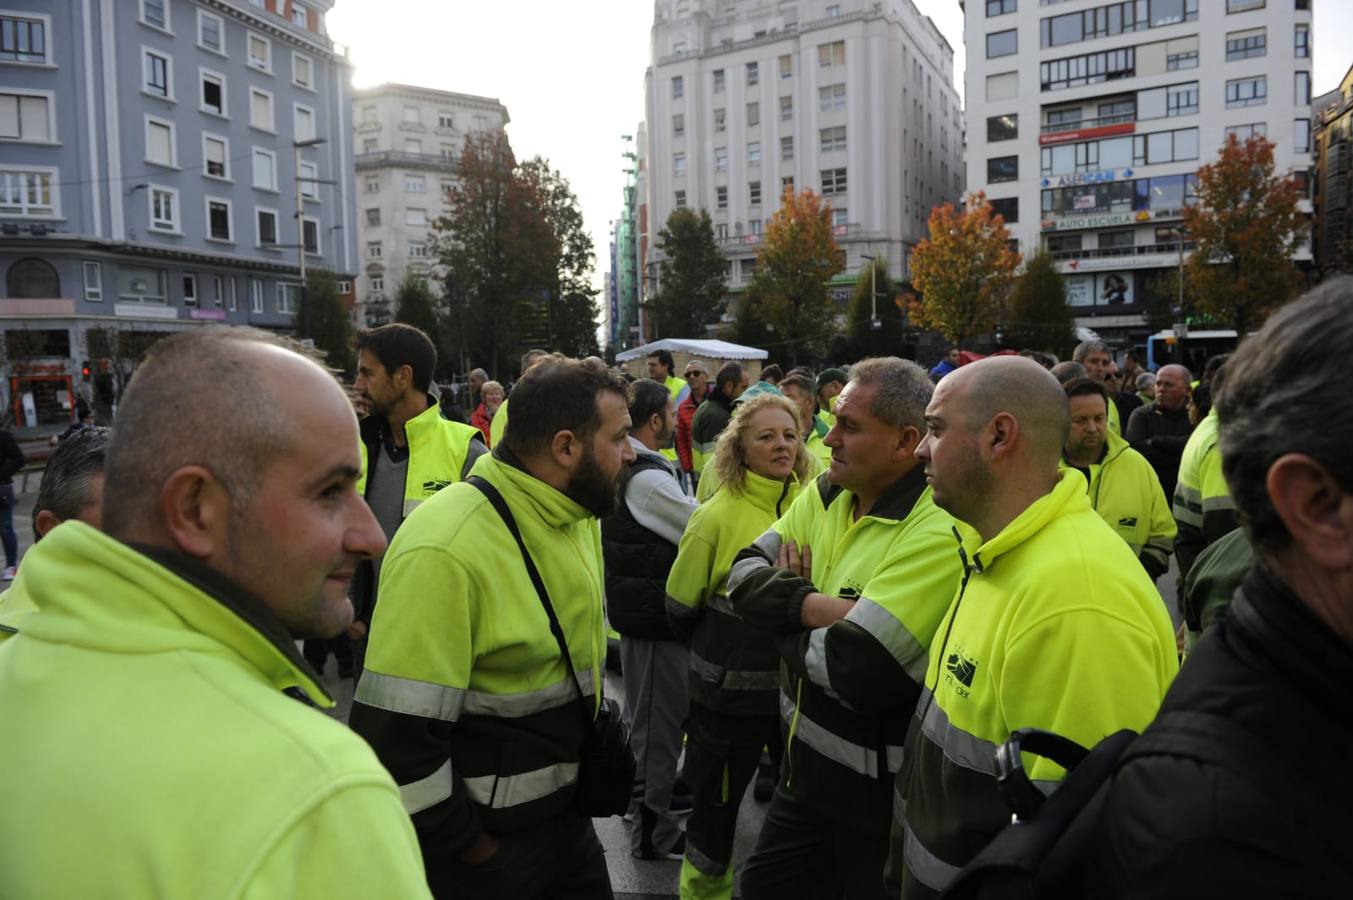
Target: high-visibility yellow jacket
(150, 750)
(499, 424)
(679, 390)
(1055, 626)
(846, 689)
(15, 605)
(1115, 421)
(466, 698)
(1125, 490)
(821, 452)
(1203, 507)
(734, 668)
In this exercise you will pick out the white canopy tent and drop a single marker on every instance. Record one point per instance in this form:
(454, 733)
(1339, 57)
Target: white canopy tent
(694, 348)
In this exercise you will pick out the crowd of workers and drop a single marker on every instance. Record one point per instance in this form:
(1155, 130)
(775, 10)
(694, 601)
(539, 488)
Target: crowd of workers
(850, 587)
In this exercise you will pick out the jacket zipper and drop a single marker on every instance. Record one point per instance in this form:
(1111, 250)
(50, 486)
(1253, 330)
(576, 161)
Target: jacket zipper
(784, 492)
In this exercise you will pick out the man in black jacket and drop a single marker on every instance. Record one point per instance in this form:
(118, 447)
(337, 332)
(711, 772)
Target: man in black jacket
(1245, 790)
(1160, 429)
(11, 461)
(639, 541)
(711, 416)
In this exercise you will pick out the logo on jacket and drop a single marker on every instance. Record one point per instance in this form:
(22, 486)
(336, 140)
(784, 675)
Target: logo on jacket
(433, 486)
(962, 668)
(850, 593)
(1128, 522)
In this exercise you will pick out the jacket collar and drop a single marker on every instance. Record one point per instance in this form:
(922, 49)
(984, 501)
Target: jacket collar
(1273, 629)
(1066, 498)
(894, 504)
(767, 492)
(507, 473)
(718, 397)
(1113, 448)
(145, 598)
(376, 428)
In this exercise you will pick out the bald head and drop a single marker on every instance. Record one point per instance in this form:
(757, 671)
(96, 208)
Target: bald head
(217, 397)
(1023, 389)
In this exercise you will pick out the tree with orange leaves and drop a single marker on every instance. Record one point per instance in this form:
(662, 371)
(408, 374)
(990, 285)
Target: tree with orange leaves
(963, 270)
(796, 261)
(1245, 227)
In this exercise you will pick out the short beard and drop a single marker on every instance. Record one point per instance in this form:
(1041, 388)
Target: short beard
(591, 489)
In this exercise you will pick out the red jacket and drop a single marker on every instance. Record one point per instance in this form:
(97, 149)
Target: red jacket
(480, 419)
(685, 413)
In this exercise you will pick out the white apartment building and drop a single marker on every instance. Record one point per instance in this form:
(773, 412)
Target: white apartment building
(1087, 121)
(407, 142)
(852, 99)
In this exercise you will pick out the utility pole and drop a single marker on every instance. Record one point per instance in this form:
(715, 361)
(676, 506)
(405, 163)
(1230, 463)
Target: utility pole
(298, 146)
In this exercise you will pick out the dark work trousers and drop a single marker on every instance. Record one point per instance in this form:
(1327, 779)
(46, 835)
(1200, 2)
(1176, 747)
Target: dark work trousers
(722, 754)
(656, 692)
(7, 535)
(804, 853)
(317, 650)
(558, 860)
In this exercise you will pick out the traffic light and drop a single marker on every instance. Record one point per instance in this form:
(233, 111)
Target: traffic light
(84, 372)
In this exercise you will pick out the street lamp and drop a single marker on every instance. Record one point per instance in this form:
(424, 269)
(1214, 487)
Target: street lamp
(298, 146)
(874, 321)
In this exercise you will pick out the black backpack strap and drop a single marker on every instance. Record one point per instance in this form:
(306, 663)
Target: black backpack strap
(500, 506)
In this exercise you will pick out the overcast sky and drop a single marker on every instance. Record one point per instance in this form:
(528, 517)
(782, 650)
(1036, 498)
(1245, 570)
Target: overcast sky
(571, 72)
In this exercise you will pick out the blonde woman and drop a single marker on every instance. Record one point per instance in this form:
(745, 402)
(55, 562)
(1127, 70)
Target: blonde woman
(760, 463)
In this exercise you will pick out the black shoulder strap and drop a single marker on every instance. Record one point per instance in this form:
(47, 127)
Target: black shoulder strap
(500, 505)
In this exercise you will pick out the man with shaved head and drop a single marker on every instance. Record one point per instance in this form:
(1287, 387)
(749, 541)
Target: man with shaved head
(157, 694)
(1160, 429)
(1055, 624)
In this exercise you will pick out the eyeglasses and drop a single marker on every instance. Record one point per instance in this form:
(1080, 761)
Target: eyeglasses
(1113, 376)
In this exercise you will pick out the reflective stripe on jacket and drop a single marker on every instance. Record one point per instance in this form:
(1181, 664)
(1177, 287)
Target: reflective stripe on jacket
(1203, 508)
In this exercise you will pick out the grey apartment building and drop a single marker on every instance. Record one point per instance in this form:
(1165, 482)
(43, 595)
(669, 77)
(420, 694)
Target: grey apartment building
(150, 177)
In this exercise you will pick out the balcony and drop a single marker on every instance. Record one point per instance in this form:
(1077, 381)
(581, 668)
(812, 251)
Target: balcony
(1119, 252)
(1083, 124)
(387, 158)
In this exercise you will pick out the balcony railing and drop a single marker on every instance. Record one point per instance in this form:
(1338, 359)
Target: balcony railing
(1134, 250)
(1082, 124)
(405, 158)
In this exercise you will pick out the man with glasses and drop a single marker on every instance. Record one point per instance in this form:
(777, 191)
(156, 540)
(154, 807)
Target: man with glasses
(1121, 393)
(697, 380)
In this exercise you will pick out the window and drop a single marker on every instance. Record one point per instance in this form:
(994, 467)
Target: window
(260, 110)
(1003, 128)
(308, 178)
(215, 156)
(370, 115)
(720, 120)
(310, 234)
(753, 114)
(1247, 92)
(164, 208)
(25, 118)
(142, 285)
(721, 234)
(93, 282)
(212, 93)
(1301, 135)
(1063, 243)
(210, 29)
(721, 159)
(678, 88)
(161, 147)
(718, 81)
(265, 169)
(1110, 239)
(830, 139)
(754, 153)
(831, 55)
(28, 193)
(1003, 168)
(1089, 68)
(833, 96)
(833, 181)
(448, 153)
(1007, 208)
(678, 164)
(1004, 86)
(418, 250)
(1244, 132)
(753, 74)
(1116, 18)
(1181, 54)
(155, 13)
(260, 53)
(413, 145)
(219, 220)
(1181, 99)
(373, 216)
(786, 109)
(266, 220)
(23, 40)
(189, 289)
(255, 295)
(833, 11)
(1235, 6)
(1302, 39)
(156, 68)
(1246, 44)
(753, 227)
(840, 218)
(377, 284)
(999, 7)
(446, 120)
(679, 198)
(412, 116)
(232, 302)
(416, 217)
(786, 148)
(286, 297)
(786, 67)
(298, 16)
(373, 249)
(1002, 43)
(369, 145)
(721, 197)
(678, 125)
(304, 121)
(754, 193)
(1302, 95)
(302, 71)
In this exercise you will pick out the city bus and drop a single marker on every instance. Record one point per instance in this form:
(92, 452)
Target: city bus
(1192, 351)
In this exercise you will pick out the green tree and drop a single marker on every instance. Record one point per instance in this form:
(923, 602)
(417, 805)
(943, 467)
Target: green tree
(1039, 318)
(863, 339)
(691, 276)
(796, 260)
(566, 259)
(324, 319)
(415, 305)
(963, 270)
(1245, 230)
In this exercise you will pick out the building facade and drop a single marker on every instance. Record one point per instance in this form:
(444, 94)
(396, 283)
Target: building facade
(149, 180)
(1333, 113)
(408, 140)
(1086, 124)
(749, 98)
